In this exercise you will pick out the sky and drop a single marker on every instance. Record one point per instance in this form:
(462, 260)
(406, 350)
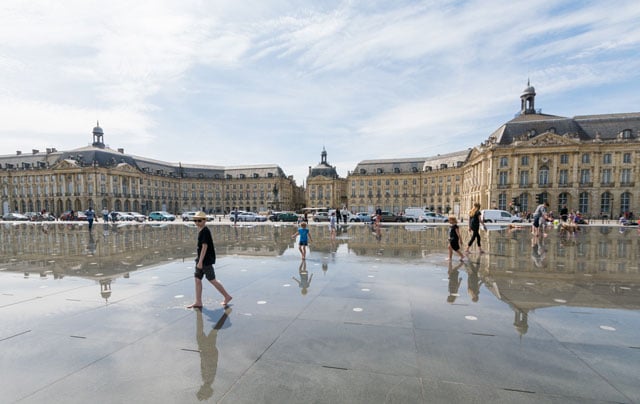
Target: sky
(231, 83)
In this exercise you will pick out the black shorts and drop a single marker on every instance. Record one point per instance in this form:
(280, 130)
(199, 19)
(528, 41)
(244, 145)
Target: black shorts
(303, 243)
(207, 270)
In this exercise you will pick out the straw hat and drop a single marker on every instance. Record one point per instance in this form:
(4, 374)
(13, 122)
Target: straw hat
(200, 215)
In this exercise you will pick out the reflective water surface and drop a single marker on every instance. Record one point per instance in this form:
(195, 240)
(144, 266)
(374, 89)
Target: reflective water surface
(595, 267)
(85, 311)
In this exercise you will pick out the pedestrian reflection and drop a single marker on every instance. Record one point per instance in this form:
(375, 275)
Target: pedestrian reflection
(454, 281)
(208, 352)
(105, 229)
(538, 251)
(91, 245)
(473, 280)
(305, 280)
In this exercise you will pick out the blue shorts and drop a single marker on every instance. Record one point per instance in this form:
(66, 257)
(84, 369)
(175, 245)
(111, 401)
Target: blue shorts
(207, 270)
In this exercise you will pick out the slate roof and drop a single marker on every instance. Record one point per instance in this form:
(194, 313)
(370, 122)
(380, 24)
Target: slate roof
(585, 128)
(408, 165)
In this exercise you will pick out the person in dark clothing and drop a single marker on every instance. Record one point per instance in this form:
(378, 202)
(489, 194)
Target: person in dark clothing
(205, 259)
(475, 221)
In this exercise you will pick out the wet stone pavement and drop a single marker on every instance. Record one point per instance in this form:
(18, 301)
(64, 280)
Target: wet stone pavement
(371, 317)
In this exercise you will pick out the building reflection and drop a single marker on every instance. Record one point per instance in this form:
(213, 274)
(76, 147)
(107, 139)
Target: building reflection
(596, 267)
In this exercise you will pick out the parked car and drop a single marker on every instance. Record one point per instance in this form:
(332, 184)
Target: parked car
(248, 217)
(413, 214)
(72, 215)
(124, 217)
(363, 217)
(499, 216)
(14, 216)
(286, 217)
(431, 217)
(138, 217)
(236, 214)
(161, 216)
(188, 216)
(321, 217)
(391, 217)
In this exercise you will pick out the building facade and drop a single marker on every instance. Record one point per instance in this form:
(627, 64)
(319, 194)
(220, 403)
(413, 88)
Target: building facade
(586, 163)
(100, 177)
(325, 188)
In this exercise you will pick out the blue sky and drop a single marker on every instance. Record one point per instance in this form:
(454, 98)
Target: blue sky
(239, 82)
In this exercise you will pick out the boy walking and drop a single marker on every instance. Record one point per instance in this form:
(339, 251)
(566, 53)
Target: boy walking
(204, 262)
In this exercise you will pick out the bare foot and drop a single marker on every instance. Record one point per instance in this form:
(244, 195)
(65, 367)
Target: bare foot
(194, 306)
(226, 301)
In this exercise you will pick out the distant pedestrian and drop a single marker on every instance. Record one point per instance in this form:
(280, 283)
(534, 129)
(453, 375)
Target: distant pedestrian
(454, 238)
(332, 225)
(475, 221)
(90, 216)
(305, 237)
(105, 215)
(539, 218)
(205, 260)
(338, 216)
(345, 214)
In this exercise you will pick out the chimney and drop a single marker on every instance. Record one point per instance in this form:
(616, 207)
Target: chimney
(48, 150)
(121, 150)
(18, 152)
(35, 151)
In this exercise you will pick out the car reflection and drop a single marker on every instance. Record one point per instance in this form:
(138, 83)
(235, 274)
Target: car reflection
(595, 267)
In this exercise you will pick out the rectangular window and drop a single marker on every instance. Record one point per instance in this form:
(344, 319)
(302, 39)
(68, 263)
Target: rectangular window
(586, 159)
(524, 161)
(563, 177)
(626, 158)
(606, 176)
(585, 176)
(564, 159)
(504, 162)
(625, 176)
(606, 158)
(524, 178)
(503, 178)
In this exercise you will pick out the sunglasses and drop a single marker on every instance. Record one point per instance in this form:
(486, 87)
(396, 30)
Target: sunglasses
(199, 220)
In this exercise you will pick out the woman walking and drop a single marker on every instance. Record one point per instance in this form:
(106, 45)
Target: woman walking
(475, 220)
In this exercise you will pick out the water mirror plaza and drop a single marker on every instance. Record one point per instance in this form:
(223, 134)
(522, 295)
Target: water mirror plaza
(370, 317)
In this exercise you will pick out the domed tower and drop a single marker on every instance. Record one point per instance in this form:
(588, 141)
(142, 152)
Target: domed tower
(527, 100)
(98, 135)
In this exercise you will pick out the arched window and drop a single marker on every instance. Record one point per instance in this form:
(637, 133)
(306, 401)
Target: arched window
(625, 202)
(563, 199)
(605, 204)
(583, 202)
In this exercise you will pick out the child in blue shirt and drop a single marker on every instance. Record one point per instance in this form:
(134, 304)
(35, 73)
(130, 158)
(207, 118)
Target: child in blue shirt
(305, 237)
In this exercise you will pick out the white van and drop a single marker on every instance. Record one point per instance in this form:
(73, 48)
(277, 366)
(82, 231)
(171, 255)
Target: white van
(413, 214)
(499, 216)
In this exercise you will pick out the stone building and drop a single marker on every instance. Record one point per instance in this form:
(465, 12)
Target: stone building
(101, 177)
(325, 188)
(587, 163)
(433, 183)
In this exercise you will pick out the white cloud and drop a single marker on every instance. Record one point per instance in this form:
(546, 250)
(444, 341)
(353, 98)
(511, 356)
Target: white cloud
(394, 76)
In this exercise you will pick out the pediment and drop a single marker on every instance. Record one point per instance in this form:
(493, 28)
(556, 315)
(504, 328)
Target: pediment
(126, 167)
(549, 139)
(64, 164)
